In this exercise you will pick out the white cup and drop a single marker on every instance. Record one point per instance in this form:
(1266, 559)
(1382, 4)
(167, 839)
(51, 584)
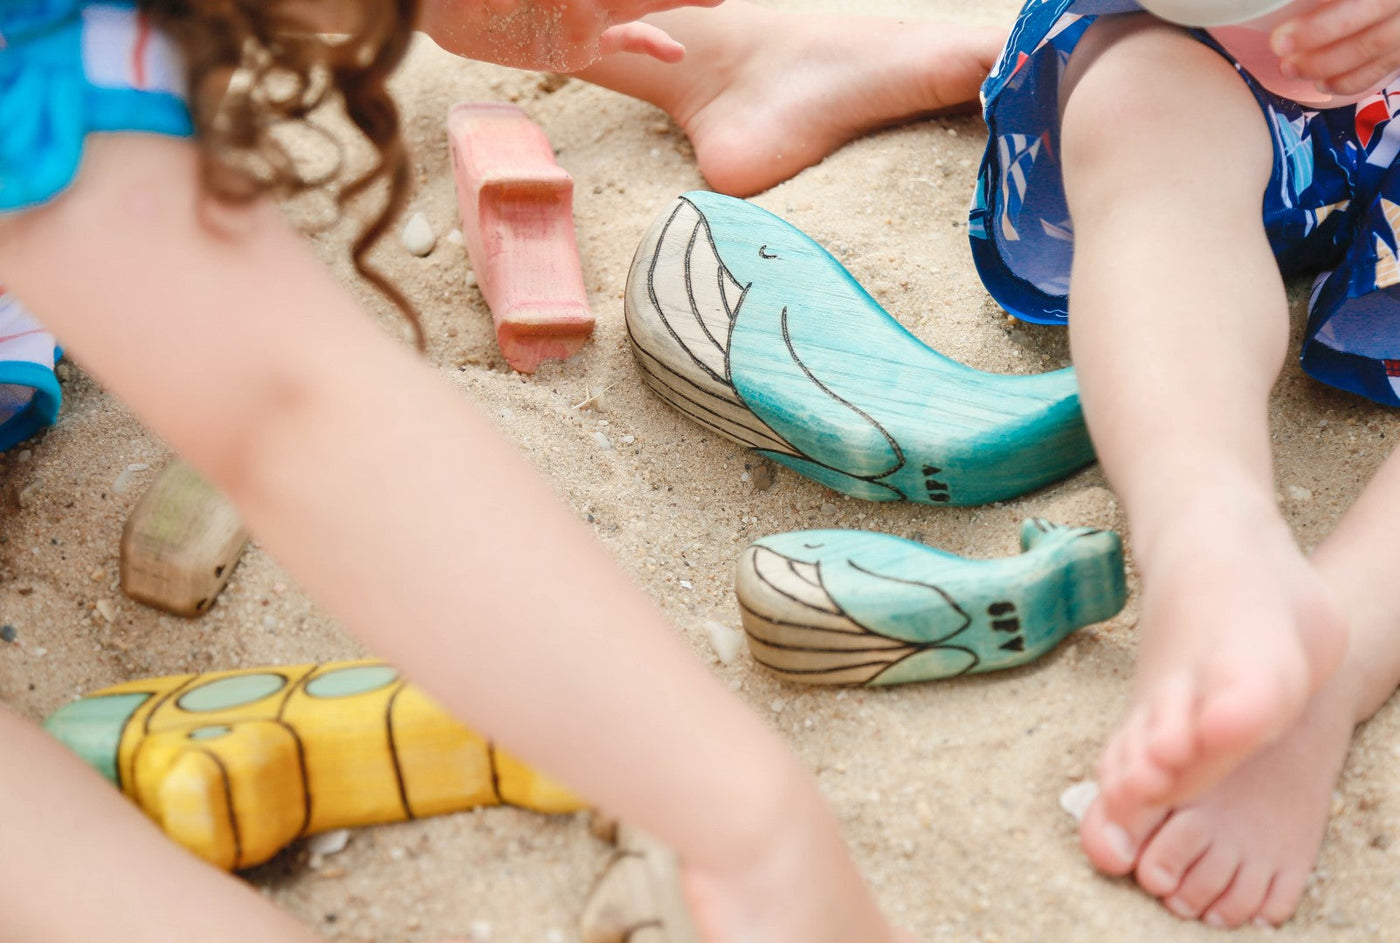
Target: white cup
(1243, 27)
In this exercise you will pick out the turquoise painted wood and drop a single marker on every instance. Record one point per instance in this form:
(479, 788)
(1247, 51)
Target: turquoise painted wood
(753, 330)
(855, 607)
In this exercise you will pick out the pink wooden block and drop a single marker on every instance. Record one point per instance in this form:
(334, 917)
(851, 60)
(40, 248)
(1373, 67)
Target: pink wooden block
(517, 217)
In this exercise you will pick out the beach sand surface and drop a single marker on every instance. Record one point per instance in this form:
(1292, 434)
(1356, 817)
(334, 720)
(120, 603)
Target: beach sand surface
(947, 792)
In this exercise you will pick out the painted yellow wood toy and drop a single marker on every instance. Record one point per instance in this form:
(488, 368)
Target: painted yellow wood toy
(235, 765)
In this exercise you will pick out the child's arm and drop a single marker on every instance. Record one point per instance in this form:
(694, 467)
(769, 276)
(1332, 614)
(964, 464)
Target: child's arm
(550, 34)
(82, 864)
(1346, 46)
(410, 518)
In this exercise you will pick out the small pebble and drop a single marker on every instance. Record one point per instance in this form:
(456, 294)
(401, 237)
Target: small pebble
(418, 236)
(328, 843)
(778, 705)
(269, 622)
(456, 238)
(98, 575)
(1299, 494)
(628, 439)
(106, 610)
(1077, 799)
(602, 441)
(471, 279)
(8, 633)
(726, 642)
(39, 652)
(686, 584)
(828, 508)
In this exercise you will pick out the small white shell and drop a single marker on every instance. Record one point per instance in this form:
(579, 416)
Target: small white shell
(418, 236)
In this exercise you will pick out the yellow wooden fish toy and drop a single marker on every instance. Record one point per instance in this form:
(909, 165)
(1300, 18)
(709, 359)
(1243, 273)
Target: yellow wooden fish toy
(235, 765)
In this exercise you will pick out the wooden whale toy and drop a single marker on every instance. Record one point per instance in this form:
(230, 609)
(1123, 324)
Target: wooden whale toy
(235, 765)
(855, 607)
(749, 327)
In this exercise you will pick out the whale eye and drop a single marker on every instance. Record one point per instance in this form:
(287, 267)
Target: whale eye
(763, 253)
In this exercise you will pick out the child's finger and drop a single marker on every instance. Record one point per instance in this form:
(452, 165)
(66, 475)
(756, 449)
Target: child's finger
(1354, 63)
(1331, 22)
(642, 38)
(1375, 74)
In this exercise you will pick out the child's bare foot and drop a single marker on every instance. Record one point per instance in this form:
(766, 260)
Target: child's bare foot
(763, 94)
(1238, 631)
(1242, 852)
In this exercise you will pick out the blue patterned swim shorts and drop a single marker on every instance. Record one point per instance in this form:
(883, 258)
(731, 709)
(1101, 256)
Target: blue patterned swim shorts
(1332, 204)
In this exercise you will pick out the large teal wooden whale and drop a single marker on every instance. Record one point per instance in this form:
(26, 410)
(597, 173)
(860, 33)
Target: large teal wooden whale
(854, 607)
(750, 328)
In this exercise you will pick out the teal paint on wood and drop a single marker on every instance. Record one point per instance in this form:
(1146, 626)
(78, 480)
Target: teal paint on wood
(224, 693)
(348, 682)
(855, 607)
(752, 329)
(92, 728)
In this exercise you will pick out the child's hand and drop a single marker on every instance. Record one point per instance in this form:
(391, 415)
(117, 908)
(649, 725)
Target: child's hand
(1345, 46)
(560, 35)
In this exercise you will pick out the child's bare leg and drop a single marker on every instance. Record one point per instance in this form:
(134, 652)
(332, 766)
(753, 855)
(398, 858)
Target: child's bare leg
(763, 94)
(438, 547)
(1179, 325)
(86, 865)
(1242, 852)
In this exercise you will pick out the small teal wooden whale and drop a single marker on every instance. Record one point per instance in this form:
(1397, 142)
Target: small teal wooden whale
(747, 326)
(854, 607)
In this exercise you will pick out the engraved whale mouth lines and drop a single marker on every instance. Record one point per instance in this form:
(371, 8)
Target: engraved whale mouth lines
(695, 340)
(783, 351)
(692, 331)
(833, 639)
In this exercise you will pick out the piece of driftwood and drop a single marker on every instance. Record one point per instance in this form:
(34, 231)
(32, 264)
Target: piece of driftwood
(750, 328)
(854, 607)
(180, 543)
(234, 765)
(638, 898)
(516, 205)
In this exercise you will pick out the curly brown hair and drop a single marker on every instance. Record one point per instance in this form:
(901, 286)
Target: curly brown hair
(255, 65)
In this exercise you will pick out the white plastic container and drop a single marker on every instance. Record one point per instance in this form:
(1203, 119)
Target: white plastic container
(1243, 27)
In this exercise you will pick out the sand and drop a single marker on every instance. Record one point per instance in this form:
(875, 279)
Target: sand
(948, 792)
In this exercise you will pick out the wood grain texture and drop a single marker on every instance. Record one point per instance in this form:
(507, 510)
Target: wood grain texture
(181, 543)
(516, 206)
(855, 607)
(638, 898)
(235, 765)
(751, 329)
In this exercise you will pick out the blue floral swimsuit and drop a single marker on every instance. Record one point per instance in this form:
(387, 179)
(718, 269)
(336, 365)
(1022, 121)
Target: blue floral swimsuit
(1332, 203)
(67, 69)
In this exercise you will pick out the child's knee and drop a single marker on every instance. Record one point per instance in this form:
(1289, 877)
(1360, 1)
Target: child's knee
(1138, 91)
